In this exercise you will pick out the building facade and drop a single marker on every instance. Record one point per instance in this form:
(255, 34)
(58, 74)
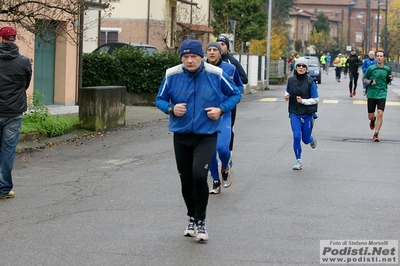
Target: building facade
(162, 23)
(357, 22)
(54, 64)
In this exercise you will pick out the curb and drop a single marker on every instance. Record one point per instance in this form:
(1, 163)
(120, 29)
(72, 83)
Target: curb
(38, 144)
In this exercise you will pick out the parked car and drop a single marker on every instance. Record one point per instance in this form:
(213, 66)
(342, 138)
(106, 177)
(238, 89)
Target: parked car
(314, 68)
(111, 47)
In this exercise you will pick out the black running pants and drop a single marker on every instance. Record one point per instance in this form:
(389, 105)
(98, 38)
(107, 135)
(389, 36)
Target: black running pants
(353, 76)
(193, 154)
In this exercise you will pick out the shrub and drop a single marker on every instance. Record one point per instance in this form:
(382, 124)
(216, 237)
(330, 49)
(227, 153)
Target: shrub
(39, 119)
(129, 66)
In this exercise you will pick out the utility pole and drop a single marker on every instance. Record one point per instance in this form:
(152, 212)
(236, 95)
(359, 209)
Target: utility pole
(368, 25)
(233, 24)
(377, 26)
(268, 44)
(385, 41)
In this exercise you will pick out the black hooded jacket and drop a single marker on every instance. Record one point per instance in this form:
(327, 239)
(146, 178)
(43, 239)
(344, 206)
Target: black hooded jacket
(353, 63)
(232, 60)
(15, 76)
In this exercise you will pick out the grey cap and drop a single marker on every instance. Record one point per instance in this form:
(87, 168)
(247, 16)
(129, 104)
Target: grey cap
(214, 44)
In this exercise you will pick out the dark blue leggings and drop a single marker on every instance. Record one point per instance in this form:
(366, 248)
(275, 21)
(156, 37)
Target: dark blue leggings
(338, 71)
(302, 129)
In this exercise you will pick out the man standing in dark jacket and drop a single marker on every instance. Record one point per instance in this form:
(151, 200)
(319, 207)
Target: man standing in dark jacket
(15, 76)
(227, 57)
(353, 64)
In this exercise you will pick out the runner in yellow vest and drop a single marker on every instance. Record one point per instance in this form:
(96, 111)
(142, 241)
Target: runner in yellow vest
(339, 63)
(345, 67)
(323, 62)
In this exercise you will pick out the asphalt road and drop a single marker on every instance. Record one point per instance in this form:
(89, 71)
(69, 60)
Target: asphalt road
(114, 199)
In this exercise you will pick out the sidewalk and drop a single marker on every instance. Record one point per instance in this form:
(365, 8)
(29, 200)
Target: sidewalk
(134, 115)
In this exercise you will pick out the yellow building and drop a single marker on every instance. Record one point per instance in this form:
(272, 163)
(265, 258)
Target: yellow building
(162, 23)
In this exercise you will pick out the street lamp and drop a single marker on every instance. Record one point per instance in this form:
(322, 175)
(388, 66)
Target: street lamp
(351, 4)
(377, 28)
(233, 24)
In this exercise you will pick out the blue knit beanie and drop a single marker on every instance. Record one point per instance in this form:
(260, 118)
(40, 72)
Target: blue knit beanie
(191, 47)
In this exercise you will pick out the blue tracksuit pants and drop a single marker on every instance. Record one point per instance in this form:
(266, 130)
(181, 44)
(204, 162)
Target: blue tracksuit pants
(222, 150)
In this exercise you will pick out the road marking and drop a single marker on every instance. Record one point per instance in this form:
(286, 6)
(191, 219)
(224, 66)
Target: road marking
(330, 101)
(359, 102)
(268, 99)
(393, 103)
(363, 102)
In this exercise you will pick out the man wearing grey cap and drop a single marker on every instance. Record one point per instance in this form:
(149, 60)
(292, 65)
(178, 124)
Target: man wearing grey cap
(191, 94)
(227, 57)
(213, 51)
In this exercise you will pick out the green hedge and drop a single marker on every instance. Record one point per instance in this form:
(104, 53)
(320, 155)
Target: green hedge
(129, 66)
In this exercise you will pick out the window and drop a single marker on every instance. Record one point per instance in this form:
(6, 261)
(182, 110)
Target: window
(109, 35)
(359, 37)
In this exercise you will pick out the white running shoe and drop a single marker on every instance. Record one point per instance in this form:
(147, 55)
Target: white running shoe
(201, 231)
(298, 165)
(191, 228)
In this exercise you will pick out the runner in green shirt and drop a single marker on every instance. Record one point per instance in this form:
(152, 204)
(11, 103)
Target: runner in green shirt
(377, 77)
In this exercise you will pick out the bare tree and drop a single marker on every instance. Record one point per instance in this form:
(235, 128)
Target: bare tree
(35, 16)
(187, 25)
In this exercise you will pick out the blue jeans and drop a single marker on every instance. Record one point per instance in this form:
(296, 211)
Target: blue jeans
(9, 137)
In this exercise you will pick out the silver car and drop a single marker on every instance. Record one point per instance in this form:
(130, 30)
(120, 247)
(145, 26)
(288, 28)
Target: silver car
(110, 48)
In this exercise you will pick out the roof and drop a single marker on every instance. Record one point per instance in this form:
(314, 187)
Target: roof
(302, 13)
(195, 27)
(187, 2)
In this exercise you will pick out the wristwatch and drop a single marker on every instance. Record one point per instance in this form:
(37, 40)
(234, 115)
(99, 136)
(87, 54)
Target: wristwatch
(170, 110)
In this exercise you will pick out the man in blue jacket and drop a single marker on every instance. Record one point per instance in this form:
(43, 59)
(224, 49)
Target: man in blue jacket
(191, 94)
(15, 76)
(213, 50)
(365, 65)
(227, 57)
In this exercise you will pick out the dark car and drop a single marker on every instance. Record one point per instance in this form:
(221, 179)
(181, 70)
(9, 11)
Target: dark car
(314, 68)
(110, 48)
